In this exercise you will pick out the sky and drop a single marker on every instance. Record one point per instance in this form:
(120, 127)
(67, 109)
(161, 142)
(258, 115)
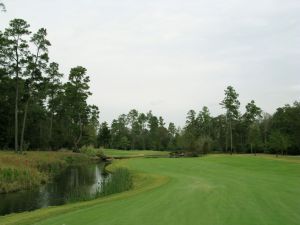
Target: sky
(170, 56)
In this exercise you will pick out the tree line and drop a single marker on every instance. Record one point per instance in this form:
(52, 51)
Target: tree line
(250, 132)
(40, 111)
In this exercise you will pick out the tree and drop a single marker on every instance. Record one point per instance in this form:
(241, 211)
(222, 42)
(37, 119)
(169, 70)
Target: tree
(232, 105)
(203, 145)
(30, 89)
(204, 120)
(252, 114)
(119, 130)
(104, 135)
(54, 88)
(77, 92)
(36, 63)
(254, 136)
(142, 123)
(265, 127)
(172, 132)
(190, 131)
(16, 53)
(132, 119)
(279, 142)
(287, 120)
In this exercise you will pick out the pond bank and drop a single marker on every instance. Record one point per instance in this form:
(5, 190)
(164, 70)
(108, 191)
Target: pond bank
(141, 183)
(75, 183)
(31, 169)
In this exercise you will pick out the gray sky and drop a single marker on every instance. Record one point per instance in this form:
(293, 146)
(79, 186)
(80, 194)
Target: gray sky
(173, 55)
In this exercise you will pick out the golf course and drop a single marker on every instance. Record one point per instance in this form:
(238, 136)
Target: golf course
(209, 190)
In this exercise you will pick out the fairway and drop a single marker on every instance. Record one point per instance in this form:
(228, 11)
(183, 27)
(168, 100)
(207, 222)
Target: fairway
(210, 190)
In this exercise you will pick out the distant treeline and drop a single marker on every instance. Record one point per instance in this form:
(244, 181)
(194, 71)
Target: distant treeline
(253, 131)
(40, 111)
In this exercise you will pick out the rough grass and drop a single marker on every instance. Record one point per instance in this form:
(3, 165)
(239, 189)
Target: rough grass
(211, 190)
(24, 171)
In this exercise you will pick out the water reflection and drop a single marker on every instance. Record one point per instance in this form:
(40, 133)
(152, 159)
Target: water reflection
(85, 179)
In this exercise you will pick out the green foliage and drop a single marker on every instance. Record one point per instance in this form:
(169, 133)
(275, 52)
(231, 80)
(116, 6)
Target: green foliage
(54, 114)
(204, 145)
(92, 152)
(279, 142)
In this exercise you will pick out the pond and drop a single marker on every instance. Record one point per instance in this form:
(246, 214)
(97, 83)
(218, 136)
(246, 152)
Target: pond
(75, 179)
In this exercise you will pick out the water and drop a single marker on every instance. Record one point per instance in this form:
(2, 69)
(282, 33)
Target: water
(84, 179)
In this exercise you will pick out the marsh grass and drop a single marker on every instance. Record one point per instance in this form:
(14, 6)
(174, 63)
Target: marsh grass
(79, 195)
(25, 171)
(119, 181)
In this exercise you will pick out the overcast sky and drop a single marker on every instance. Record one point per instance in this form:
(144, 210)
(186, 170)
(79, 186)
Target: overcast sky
(173, 55)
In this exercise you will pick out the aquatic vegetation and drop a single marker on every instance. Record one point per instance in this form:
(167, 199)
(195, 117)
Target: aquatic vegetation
(120, 180)
(25, 171)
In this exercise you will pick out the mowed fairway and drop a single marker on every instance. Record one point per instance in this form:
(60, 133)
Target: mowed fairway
(212, 190)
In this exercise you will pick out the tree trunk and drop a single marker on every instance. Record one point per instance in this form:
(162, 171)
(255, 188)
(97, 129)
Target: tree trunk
(80, 134)
(251, 148)
(16, 111)
(230, 137)
(226, 135)
(23, 127)
(17, 99)
(50, 131)
(226, 141)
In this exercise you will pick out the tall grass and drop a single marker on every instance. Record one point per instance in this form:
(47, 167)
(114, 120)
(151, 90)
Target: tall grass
(18, 172)
(121, 180)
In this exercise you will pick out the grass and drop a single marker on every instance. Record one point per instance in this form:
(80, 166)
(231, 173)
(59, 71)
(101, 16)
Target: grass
(18, 172)
(216, 189)
(120, 180)
(133, 153)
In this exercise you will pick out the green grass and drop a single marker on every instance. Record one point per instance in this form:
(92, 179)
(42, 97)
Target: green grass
(211, 190)
(120, 180)
(133, 153)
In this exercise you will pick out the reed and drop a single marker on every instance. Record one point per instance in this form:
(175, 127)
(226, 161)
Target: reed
(121, 180)
(25, 171)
